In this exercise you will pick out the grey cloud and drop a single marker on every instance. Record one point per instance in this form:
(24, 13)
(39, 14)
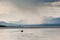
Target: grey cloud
(31, 3)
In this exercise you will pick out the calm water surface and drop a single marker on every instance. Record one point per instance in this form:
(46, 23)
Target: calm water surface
(30, 34)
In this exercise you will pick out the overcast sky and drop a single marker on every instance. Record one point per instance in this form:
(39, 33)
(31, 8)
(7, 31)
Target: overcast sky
(30, 11)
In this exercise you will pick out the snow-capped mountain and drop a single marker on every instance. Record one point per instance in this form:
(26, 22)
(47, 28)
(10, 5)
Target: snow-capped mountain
(9, 24)
(51, 20)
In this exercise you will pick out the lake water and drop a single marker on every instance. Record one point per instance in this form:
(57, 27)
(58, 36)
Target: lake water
(30, 34)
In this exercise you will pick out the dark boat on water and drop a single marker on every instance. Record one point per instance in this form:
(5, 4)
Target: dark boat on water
(21, 30)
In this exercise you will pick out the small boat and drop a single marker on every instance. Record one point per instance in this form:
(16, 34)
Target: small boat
(21, 30)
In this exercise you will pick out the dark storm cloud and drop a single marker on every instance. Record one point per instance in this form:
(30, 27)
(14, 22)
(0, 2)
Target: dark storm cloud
(32, 3)
(51, 0)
